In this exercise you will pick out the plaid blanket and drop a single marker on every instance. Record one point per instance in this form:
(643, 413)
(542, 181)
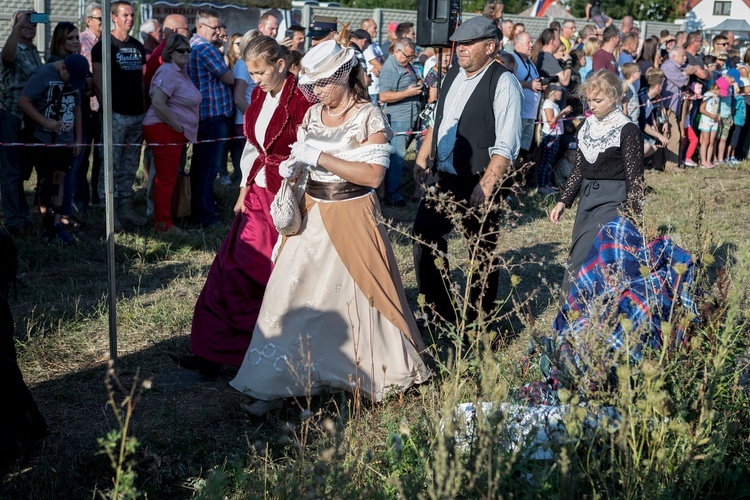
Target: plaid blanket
(628, 286)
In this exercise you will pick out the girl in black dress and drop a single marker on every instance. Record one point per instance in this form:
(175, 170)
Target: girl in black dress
(607, 177)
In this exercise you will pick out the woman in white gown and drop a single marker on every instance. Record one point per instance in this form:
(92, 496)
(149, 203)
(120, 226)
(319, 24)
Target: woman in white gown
(334, 315)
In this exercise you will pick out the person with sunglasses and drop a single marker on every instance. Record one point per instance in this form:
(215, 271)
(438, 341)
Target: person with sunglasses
(214, 79)
(401, 92)
(172, 119)
(20, 58)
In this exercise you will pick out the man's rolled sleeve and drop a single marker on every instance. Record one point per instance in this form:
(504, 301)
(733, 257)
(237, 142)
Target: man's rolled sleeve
(507, 106)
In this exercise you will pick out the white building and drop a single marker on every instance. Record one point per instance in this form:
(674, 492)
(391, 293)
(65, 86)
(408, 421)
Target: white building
(705, 14)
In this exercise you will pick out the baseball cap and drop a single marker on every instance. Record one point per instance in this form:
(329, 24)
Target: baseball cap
(361, 34)
(723, 85)
(78, 67)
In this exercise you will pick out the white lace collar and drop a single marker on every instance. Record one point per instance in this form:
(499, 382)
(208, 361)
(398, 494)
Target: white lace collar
(596, 135)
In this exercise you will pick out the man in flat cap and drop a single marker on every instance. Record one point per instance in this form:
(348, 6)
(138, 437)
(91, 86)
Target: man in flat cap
(472, 145)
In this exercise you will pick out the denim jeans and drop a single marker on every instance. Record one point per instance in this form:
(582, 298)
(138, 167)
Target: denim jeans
(204, 166)
(126, 129)
(395, 170)
(15, 206)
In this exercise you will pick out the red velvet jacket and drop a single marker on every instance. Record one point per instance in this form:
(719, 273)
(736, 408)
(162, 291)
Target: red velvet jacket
(281, 132)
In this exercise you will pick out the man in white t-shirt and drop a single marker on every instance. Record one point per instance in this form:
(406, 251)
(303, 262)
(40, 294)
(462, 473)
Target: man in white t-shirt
(374, 57)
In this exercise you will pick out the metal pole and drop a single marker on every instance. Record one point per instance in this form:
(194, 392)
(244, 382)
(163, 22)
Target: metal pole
(106, 111)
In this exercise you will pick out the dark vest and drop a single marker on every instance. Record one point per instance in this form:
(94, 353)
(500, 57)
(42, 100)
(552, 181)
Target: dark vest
(476, 127)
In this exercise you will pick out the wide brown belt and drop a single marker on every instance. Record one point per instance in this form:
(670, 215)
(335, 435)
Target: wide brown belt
(335, 191)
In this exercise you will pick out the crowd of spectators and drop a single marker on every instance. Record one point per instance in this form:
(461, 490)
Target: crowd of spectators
(687, 93)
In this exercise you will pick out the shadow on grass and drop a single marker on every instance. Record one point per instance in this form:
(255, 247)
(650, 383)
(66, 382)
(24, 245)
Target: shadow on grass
(185, 425)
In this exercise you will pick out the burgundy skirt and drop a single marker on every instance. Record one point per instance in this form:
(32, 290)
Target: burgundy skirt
(228, 306)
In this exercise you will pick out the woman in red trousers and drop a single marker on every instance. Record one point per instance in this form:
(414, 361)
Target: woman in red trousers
(172, 119)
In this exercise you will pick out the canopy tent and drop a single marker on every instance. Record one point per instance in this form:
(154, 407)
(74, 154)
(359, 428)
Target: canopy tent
(736, 26)
(238, 16)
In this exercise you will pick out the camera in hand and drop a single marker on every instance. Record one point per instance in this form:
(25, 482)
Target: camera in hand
(546, 80)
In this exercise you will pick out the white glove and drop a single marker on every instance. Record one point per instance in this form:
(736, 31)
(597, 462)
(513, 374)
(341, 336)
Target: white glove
(305, 154)
(290, 168)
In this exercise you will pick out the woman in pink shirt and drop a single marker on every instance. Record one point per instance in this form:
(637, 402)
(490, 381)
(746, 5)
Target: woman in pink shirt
(171, 119)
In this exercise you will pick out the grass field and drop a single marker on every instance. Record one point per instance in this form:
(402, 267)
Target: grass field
(193, 438)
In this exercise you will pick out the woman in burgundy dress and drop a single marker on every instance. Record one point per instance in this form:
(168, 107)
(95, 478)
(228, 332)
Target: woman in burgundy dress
(228, 306)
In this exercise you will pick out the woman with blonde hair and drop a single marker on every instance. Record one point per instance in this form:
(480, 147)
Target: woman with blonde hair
(590, 48)
(335, 315)
(607, 177)
(229, 304)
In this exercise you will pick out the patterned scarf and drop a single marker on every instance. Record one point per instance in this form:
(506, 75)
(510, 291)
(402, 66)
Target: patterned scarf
(596, 135)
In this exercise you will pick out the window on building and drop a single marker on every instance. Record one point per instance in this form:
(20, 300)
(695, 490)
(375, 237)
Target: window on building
(722, 8)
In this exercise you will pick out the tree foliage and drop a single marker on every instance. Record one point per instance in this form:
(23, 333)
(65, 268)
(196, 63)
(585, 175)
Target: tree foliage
(511, 6)
(646, 10)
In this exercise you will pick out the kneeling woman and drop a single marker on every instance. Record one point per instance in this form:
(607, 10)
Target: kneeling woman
(335, 315)
(228, 306)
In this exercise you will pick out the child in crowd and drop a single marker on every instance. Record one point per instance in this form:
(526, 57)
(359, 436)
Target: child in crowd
(695, 93)
(721, 62)
(709, 62)
(552, 129)
(709, 122)
(738, 115)
(726, 108)
(631, 74)
(650, 116)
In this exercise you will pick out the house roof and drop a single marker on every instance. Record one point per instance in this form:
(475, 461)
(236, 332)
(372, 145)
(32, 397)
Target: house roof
(690, 4)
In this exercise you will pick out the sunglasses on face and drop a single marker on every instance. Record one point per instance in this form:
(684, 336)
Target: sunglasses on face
(184, 50)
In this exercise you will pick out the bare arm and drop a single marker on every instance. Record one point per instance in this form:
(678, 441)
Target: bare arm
(364, 174)
(390, 96)
(564, 77)
(27, 106)
(8, 54)
(240, 87)
(227, 77)
(433, 95)
(98, 81)
(376, 66)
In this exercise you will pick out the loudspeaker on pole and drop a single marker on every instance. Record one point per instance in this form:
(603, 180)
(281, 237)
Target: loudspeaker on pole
(436, 21)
